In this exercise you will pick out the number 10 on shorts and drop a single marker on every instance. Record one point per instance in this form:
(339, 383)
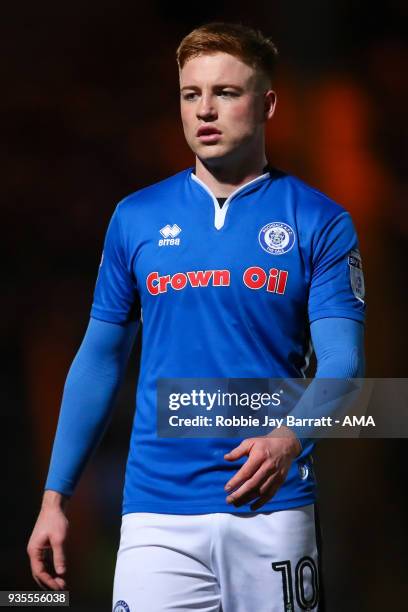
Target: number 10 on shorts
(306, 583)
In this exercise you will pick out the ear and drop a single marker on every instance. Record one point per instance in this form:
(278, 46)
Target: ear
(270, 99)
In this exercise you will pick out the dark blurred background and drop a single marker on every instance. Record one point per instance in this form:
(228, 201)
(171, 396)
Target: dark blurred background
(90, 114)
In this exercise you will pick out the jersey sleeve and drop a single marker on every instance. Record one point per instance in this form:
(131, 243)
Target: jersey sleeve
(337, 283)
(116, 298)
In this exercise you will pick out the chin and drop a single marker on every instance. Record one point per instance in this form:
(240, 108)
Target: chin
(211, 153)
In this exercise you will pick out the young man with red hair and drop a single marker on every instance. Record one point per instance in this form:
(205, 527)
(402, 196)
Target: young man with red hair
(237, 267)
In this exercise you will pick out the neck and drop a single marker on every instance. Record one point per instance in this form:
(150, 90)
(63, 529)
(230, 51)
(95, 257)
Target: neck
(223, 179)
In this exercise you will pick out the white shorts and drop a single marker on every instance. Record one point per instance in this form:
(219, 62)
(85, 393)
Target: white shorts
(220, 562)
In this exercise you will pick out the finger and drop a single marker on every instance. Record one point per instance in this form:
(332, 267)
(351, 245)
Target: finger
(251, 487)
(39, 570)
(246, 471)
(50, 582)
(240, 450)
(246, 499)
(39, 583)
(61, 583)
(267, 496)
(45, 581)
(256, 491)
(37, 564)
(269, 482)
(58, 555)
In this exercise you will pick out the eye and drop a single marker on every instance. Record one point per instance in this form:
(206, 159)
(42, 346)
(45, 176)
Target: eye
(226, 93)
(189, 96)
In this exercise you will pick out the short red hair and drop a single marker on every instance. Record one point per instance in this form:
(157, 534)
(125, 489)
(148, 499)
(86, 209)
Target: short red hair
(249, 45)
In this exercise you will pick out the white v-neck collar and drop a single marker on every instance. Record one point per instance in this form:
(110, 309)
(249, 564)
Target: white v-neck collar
(221, 212)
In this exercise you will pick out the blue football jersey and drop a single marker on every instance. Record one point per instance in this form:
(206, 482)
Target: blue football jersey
(222, 292)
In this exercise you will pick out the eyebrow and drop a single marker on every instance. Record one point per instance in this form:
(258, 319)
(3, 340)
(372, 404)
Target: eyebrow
(217, 86)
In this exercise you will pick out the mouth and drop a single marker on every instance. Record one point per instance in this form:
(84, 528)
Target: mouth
(209, 134)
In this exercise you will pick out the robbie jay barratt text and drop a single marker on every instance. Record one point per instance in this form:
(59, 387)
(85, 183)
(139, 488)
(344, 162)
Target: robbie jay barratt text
(250, 421)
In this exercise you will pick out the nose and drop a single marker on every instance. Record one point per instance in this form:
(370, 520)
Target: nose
(206, 109)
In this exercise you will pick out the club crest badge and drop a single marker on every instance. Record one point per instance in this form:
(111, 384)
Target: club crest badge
(276, 238)
(303, 471)
(121, 606)
(356, 274)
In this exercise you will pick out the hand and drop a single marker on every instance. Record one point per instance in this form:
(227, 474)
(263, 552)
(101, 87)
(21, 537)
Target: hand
(46, 549)
(269, 460)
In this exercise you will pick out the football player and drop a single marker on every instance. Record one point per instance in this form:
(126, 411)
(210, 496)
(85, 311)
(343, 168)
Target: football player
(239, 269)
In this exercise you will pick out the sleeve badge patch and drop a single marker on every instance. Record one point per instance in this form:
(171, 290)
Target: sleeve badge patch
(356, 274)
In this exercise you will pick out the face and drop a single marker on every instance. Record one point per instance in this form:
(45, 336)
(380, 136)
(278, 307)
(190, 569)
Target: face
(224, 106)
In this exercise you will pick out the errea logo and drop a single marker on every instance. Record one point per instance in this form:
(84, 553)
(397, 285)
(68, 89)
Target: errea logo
(169, 233)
